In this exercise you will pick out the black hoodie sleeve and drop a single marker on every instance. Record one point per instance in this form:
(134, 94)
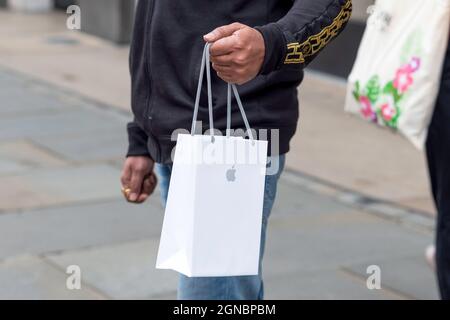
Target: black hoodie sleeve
(137, 141)
(306, 29)
(137, 138)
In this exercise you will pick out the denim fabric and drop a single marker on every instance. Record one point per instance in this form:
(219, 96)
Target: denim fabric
(228, 288)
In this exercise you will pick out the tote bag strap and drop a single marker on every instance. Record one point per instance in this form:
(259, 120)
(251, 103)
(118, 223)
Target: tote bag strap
(231, 88)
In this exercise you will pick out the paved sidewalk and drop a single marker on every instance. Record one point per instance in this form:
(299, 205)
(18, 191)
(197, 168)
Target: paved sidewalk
(60, 204)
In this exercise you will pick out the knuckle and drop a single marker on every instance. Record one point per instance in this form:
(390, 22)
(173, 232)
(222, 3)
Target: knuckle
(239, 72)
(133, 183)
(241, 39)
(220, 30)
(239, 43)
(213, 51)
(141, 167)
(240, 60)
(138, 169)
(124, 177)
(126, 167)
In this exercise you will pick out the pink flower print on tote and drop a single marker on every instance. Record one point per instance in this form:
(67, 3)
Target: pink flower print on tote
(381, 104)
(403, 78)
(366, 108)
(388, 112)
(388, 109)
(415, 64)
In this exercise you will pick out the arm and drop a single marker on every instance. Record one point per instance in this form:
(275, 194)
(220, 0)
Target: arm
(239, 53)
(138, 180)
(307, 28)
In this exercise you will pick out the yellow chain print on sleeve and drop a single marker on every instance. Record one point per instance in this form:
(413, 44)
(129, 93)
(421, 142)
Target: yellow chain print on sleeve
(298, 52)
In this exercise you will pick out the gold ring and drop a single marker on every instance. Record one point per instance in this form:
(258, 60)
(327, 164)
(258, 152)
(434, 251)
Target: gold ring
(126, 192)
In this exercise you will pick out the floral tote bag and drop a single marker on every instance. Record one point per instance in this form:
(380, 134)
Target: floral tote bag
(395, 79)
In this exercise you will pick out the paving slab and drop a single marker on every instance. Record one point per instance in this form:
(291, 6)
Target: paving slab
(125, 271)
(72, 122)
(328, 285)
(24, 105)
(306, 256)
(169, 295)
(32, 278)
(293, 199)
(400, 275)
(8, 166)
(57, 186)
(73, 227)
(23, 96)
(314, 243)
(21, 155)
(103, 146)
(97, 68)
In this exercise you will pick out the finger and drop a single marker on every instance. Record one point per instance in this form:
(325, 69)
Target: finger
(154, 180)
(223, 46)
(147, 189)
(222, 32)
(153, 183)
(125, 178)
(223, 69)
(135, 185)
(225, 74)
(142, 198)
(225, 77)
(148, 186)
(225, 60)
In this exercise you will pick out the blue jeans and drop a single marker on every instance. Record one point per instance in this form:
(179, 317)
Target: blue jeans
(228, 288)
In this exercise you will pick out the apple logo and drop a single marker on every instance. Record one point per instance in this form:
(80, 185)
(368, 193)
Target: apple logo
(231, 174)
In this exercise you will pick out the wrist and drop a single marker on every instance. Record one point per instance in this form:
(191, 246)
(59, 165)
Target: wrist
(274, 47)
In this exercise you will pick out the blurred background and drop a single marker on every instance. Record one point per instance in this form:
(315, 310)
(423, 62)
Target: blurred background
(353, 195)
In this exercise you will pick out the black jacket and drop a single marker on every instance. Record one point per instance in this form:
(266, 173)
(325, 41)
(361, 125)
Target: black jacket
(165, 61)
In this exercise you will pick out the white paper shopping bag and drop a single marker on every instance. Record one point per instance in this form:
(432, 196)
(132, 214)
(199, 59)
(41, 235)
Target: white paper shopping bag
(213, 216)
(395, 79)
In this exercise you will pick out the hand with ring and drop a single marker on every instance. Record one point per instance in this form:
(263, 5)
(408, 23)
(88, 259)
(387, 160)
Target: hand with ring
(138, 179)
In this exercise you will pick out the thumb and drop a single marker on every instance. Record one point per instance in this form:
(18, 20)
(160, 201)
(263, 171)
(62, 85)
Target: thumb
(222, 32)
